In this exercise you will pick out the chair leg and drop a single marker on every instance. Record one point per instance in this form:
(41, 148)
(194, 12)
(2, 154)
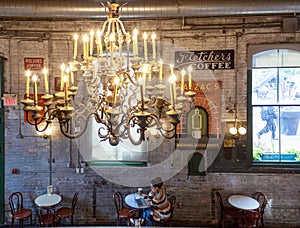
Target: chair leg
(31, 221)
(262, 222)
(12, 222)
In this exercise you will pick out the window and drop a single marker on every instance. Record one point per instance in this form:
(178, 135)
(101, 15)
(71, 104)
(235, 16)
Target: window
(275, 104)
(101, 152)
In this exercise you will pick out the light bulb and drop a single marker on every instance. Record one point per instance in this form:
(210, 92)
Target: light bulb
(242, 130)
(233, 130)
(48, 131)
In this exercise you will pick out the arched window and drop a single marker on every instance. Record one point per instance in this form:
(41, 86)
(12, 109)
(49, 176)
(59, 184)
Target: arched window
(274, 103)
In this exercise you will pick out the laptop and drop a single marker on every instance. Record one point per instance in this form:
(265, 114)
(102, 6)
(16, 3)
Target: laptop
(141, 202)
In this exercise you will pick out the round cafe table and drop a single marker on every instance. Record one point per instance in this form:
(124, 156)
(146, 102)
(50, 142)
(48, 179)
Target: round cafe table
(47, 200)
(243, 202)
(130, 200)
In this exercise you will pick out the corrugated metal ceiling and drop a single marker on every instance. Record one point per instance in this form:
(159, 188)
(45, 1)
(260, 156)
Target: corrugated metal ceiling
(145, 8)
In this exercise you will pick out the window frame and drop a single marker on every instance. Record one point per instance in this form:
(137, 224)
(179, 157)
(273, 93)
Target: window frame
(252, 50)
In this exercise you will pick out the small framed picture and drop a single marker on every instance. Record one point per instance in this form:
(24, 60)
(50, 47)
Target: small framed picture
(57, 81)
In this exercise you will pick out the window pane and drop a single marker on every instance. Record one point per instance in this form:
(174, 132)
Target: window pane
(264, 86)
(266, 133)
(269, 58)
(290, 132)
(289, 58)
(289, 89)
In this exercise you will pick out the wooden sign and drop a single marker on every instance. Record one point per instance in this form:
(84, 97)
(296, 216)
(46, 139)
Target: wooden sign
(205, 60)
(33, 63)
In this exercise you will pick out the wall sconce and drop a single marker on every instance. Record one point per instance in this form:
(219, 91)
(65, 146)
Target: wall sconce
(234, 130)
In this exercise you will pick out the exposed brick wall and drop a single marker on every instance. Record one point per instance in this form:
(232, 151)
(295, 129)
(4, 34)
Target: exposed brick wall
(228, 174)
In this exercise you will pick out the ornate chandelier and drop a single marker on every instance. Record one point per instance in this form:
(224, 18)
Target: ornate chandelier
(123, 91)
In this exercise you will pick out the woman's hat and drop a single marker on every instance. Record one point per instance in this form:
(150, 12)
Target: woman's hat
(156, 180)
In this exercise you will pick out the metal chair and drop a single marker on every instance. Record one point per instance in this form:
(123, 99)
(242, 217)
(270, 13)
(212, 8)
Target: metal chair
(17, 209)
(227, 213)
(46, 216)
(263, 200)
(169, 220)
(123, 213)
(248, 219)
(67, 212)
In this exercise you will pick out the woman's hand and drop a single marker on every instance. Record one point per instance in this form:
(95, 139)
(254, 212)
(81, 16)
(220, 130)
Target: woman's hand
(145, 196)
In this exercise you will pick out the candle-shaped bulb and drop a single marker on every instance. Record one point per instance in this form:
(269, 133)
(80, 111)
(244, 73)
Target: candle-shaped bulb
(183, 72)
(65, 79)
(135, 32)
(153, 37)
(34, 79)
(190, 77)
(172, 80)
(75, 37)
(99, 43)
(62, 69)
(92, 33)
(160, 62)
(116, 82)
(172, 68)
(135, 42)
(45, 72)
(28, 73)
(145, 36)
(85, 46)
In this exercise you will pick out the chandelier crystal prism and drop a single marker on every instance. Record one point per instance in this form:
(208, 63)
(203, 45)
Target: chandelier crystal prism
(124, 92)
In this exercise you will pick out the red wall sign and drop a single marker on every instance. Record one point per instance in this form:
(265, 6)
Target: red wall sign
(33, 63)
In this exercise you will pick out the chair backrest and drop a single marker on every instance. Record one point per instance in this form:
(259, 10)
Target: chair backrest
(74, 201)
(15, 201)
(249, 219)
(118, 200)
(46, 216)
(263, 200)
(220, 201)
(173, 203)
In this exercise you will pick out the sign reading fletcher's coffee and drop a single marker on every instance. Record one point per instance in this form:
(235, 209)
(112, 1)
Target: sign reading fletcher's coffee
(205, 60)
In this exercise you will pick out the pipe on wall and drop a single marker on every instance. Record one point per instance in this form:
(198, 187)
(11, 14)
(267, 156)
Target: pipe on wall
(145, 9)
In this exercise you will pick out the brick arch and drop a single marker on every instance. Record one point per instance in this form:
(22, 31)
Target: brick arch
(213, 115)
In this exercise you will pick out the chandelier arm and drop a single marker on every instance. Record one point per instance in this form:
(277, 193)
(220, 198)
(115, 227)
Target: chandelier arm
(139, 141)
(44, 128)
(130, 78)
(65, 130)
(41, 118)
(122, 26)
(104, 26)
(108, 28)
(103, 137)
(165, 133)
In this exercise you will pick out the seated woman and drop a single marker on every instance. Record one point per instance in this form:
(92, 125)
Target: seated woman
(161, 208)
